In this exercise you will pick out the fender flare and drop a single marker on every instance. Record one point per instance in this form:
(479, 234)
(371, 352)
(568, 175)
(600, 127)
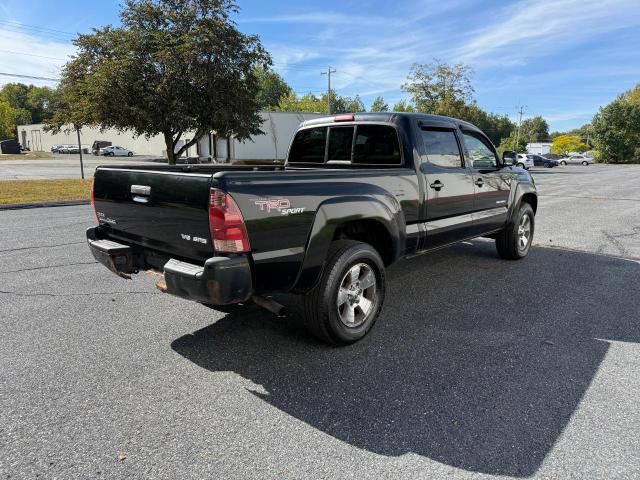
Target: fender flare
(521, 189)
(337, 211)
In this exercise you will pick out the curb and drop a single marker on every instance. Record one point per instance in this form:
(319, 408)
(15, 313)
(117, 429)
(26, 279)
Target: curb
(62, 203)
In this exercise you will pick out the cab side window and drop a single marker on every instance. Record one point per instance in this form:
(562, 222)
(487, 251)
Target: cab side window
(441, 147)
(482, 155)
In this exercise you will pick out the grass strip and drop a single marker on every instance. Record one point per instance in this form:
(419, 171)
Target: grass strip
(28, 191)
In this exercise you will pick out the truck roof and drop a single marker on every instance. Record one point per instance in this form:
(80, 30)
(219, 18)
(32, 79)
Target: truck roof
(388, 117)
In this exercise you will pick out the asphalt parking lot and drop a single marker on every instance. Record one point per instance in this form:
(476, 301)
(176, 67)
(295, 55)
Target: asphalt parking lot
(61, 166)
(477, 368)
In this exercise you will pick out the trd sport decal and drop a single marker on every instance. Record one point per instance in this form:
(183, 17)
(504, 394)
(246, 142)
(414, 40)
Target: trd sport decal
(282, 205)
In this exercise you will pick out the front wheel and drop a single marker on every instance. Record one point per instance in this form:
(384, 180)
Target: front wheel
(514, 242)
(130, 154)
(585, 163)
(345, 304)
(520, 165)
(563, 163)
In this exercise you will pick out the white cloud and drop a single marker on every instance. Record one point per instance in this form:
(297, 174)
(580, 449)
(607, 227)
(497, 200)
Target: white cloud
(537, 27)
(25, 54)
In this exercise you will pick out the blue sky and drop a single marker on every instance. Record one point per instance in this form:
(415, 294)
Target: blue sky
(561, 59)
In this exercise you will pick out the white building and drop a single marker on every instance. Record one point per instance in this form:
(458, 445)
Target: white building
(278, 128)
(539, 148)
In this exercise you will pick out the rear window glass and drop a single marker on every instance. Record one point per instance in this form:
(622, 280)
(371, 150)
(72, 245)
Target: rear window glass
(376, 145)
(308, 145)
(340, 141)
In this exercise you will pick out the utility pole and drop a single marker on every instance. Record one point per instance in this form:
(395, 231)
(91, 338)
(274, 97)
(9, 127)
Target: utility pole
(80, 148)
(520, 112)
(328, 74)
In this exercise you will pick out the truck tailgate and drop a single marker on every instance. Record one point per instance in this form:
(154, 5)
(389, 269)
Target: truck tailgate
(160, 210)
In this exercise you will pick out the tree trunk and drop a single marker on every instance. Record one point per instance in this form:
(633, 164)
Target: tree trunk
(169, 144)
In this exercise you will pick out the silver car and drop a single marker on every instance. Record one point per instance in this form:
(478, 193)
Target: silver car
(577, 160)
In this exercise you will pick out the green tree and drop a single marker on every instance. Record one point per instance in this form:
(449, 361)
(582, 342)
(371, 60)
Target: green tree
(442, 89)
(271, 88)
(7, 120)
(403, 106)
(34, 104)
(616, 129)
(510, 143)
(496, 127)
(176, 68)
(313, 104)
(439, 88)
(379, 105)
(534, 129)
(347, 105)
(565, 144)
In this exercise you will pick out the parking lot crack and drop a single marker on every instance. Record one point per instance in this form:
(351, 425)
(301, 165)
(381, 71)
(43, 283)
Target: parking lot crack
(47, 266)
(75, 294)
(9, 250)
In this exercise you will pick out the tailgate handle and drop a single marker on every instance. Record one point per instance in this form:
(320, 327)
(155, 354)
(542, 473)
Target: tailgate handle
(141, 190)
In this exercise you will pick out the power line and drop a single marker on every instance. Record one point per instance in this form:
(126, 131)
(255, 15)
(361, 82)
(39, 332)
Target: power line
(32, 77)
(32, 55)
(24, 26)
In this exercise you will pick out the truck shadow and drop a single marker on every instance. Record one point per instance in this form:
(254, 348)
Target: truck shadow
(476, 362)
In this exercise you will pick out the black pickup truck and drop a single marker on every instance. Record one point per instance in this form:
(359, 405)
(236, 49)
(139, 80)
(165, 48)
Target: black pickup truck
(357, 193)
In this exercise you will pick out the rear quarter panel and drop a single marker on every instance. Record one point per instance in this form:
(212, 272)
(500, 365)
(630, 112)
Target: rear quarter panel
(280, 209)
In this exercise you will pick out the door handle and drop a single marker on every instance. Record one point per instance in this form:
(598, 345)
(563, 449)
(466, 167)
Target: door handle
(480, 182)
(437, 185)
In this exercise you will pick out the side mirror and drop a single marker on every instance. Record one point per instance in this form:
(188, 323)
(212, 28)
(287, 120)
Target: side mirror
(509, 158)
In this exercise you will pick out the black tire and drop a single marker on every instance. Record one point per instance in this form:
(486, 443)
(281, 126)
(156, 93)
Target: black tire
(563, 163)
(129, 154)
(110, 154)
(585, 164)
(322, 315)
(509, 241)
(520, 165)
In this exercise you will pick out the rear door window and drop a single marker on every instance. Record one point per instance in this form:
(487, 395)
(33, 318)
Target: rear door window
(376, 145)
(309, 145)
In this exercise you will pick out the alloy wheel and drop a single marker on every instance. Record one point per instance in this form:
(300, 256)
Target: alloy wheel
(524, 232)
(357, 295)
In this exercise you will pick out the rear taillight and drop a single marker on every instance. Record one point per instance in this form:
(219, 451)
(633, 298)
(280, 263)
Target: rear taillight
(93, 201)
(228, 232)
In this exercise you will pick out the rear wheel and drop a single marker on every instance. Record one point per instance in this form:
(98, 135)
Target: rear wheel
(520, 165)
(563, 163)
(514, 242)
(585, 163)
(130, 154)
(345, 304)
(110, 154)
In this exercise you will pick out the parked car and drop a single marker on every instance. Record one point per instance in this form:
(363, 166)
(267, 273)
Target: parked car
(523, 161)
(56, 148)
(540, 161)
(70, 149)
(357, 193)
(577, 160)
(98, 144)
(115, 151)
